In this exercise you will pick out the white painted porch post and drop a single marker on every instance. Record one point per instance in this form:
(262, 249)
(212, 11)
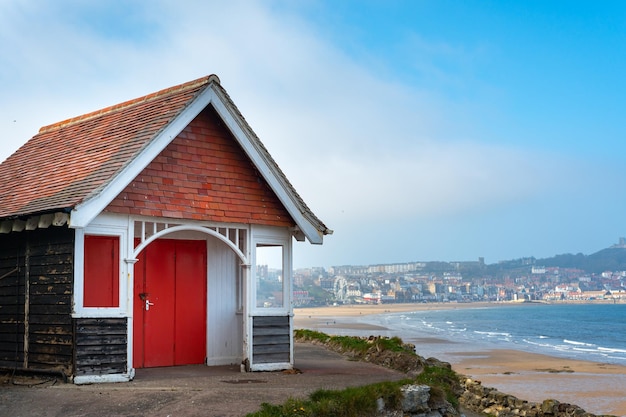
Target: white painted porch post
(247, 318)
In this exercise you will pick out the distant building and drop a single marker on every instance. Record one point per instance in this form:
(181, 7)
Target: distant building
(538, 270)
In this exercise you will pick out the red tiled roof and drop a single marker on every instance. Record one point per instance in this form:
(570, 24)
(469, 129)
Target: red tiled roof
(68, 161)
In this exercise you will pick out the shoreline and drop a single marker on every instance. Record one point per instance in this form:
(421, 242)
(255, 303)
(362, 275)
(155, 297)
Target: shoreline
(365, 309)
(596, 387)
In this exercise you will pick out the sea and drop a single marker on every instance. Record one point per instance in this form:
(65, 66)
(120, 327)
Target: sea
(592, 332)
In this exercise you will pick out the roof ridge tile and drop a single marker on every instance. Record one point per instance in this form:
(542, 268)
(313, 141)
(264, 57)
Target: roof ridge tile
(129, 103)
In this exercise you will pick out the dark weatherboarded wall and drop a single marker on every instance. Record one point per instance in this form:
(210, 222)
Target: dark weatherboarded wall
(101, 346)
(36, 283)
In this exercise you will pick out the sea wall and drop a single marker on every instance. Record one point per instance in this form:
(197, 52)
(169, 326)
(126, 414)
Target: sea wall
(475, 400)
(490, 401)
(418, 402)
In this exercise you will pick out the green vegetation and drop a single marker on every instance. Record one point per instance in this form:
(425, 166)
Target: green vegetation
(443, 382)
(358, 345)
(350, 402)
(361, 401)
(304, 334)
(609, 259)
(320, 295)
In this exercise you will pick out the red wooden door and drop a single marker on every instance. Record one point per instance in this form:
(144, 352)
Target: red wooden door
(190, 306)
(170, 304)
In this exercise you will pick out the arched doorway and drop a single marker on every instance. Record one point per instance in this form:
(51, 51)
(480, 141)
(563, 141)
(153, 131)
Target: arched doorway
(187, 296)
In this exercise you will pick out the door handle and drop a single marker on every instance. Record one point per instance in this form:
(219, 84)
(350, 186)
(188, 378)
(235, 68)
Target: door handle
(148, 304)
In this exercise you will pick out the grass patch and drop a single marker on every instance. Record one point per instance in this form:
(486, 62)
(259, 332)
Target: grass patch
(311, 335)
(350, 402)
(360, 345)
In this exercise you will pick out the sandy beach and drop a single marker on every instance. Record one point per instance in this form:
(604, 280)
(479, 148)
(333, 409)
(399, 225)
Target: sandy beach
(597, 387)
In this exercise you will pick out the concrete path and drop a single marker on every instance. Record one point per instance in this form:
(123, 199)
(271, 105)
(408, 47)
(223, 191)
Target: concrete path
(195, 390)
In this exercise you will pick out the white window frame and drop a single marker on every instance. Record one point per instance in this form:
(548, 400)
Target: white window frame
(271, 237)
(115, 229)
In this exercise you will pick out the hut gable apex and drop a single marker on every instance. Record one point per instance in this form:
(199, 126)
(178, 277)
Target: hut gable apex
(203, 175)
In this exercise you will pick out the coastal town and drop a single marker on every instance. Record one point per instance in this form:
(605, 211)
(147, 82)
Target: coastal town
(523, 279)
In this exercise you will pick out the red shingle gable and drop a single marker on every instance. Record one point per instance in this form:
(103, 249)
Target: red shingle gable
(203, 175)
(67, 162)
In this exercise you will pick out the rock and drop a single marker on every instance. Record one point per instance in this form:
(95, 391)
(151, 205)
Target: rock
(549, 407)
(380, 405)
(415, 399)
(489, 411)
(437, 363)
(449, 411)
(517, 403)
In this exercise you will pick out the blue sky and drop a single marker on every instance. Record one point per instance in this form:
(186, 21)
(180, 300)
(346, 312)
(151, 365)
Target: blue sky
(417, 130)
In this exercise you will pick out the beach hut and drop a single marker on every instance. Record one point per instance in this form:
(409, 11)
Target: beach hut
(139, 236)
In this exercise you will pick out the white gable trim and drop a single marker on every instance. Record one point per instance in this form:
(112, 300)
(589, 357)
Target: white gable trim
(234, 124)
(87, 211)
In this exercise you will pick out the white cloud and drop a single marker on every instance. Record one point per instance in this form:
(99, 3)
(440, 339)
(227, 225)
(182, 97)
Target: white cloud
(362, 148)
(433, 180)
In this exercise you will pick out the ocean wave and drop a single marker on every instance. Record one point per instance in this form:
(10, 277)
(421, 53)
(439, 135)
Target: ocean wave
(573, 342)
(454, 329)
(530, 342)
(611, 350)
(577, 349)
(493, 334)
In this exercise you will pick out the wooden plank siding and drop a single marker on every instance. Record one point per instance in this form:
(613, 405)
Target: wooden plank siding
(11, 300)
(37, 299)
(270, 339)
(101, 346)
